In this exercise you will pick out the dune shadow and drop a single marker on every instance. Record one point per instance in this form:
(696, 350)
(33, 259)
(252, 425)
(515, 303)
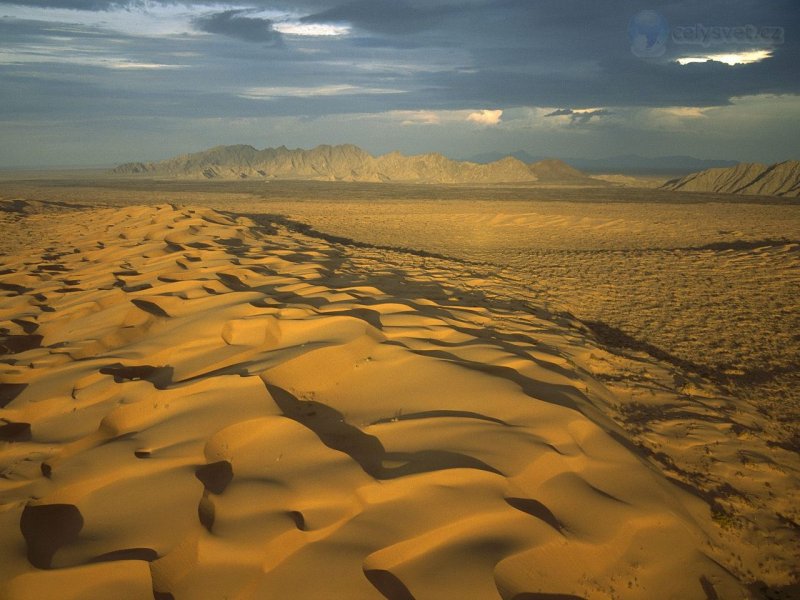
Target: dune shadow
(745, 244)
(215, 476)
(27, 326)
(232, 282)
(140, 287)
(14, 344)
(270, 220)
(50, 268)
(708, 588)
(14, 288)
(149, 307)
(543, 596)
(388, 584)
(331, 428)
(9, 391)
(433, 414)
(538, 510)
(608, 335)
(48, 527)
(368, 315)
(160, 377)
(15, 432)
(145, 554)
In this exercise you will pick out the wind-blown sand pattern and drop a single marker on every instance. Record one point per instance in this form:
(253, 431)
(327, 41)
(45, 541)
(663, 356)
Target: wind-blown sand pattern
(709, 285)
(199, 406)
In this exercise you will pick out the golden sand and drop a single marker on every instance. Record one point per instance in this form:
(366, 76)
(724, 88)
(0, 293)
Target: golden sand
(200, 406)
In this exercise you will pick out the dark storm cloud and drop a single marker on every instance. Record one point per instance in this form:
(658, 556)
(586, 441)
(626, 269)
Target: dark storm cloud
(470, 53)
(386, 16)
(13, 31)
(579, 117)
(308, 6)
(68, 4)
(576, 52)
(236, 24)
(561, 112)
(131, 58)
(623, 81)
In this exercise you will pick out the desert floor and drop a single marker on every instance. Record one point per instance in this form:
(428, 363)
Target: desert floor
(231, 390)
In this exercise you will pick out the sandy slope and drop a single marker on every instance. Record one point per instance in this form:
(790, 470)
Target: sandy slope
(779, 179)
(197, 407)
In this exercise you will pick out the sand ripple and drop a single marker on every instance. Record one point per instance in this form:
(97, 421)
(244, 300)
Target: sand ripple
(197, 407)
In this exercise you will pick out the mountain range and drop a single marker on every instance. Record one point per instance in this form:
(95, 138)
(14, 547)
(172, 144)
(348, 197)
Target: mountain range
(351, 163)
(632, 164)
(779, 179)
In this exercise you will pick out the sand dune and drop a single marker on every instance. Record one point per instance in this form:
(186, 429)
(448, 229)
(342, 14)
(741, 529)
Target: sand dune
(666, 272)
(198, 406)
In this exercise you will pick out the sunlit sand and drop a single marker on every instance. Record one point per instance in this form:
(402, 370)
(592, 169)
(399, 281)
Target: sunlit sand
(203, 404)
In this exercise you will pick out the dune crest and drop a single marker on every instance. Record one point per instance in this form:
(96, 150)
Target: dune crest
(199, 406)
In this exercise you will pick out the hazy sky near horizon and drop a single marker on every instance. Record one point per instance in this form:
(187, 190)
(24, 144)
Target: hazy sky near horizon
(96, 82)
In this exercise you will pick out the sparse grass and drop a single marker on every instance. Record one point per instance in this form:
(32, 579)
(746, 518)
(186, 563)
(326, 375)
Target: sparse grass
(725, 519)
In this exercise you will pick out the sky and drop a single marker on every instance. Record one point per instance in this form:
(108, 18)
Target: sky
(100, 82)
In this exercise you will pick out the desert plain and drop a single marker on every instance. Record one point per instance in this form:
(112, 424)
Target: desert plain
(342, 390)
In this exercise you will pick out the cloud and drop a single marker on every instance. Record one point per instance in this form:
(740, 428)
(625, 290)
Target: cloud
(584, 118)
(391, 17)
(95, 5)
(681, 112)
(462, 53)
(417, 62)
(34, 44)
(417, 117)
(234, 23)
(731, 58)
(485, 117)
(32, 55)
(311, 29)
(560, 112)
(269, 93)
(579, 117)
